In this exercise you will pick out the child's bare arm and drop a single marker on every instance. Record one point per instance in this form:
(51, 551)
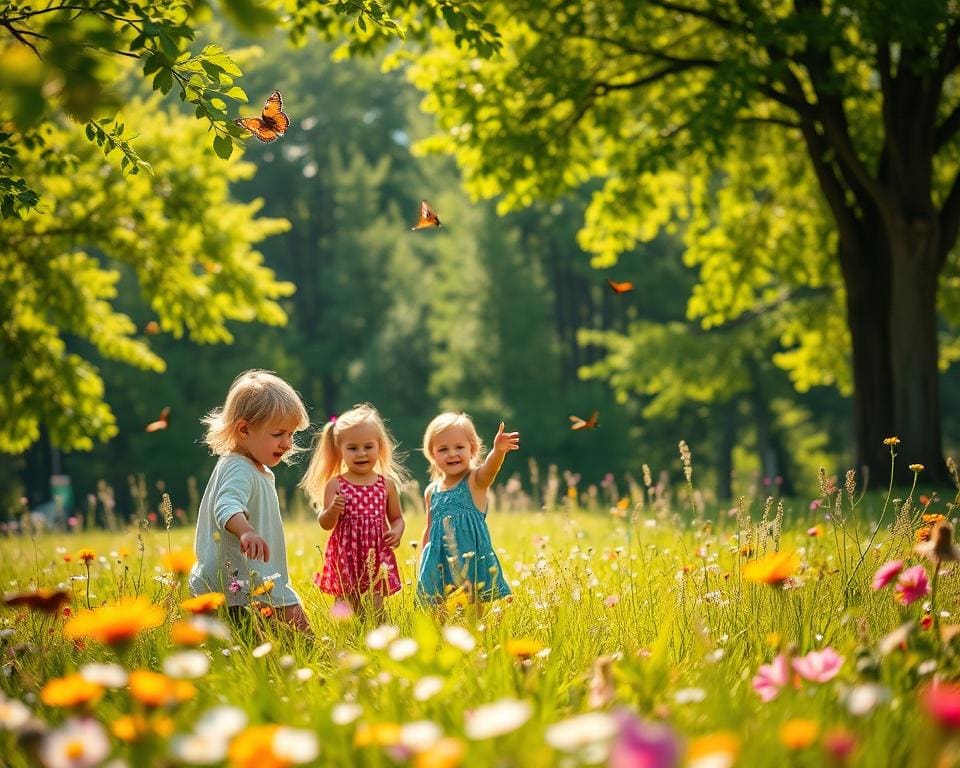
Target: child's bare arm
(252, 544)
(333, 504)
(394, 516)
(503, 443)
(426, 528)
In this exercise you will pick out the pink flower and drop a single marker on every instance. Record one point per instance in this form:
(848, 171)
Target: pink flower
(887, 573)
(912, 585)
(819, 666)
(770, 678)
(942, 700)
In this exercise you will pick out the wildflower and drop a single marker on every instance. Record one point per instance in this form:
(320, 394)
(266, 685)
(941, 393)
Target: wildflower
(199, 749)
(798, 733)
(186, 665)
(87, 555)
(106, 675)
(115, 624)
(14, 714)
(253, 748)
(523, 648)
(926, 621)
(773, 569)
(894, 639)
(912, 585)
(403, 648)
(265, 588)
(294, 746)
(70, 691)
(341, 611)
(891, 441)
(497, 718)
(887, 573)
(716, 750)
(819, 666)
(940, 547)
(611, 600)
(916, 467)
(581, 731)
(129, 727)
(205, 603)
(75, 744)
(448, 752)
(156, 690)
(427, 687)
(770, 678)
(345, 713)
(840, 744)
(178, 561)
(224, 722)
(942, 702)
(261, 650)
(460, 638)
(187, 633)
(642, 743)
(816, 531)
(377, 734)
(458, 598)
(379, 638)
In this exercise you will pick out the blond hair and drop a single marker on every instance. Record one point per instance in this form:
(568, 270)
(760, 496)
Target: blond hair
(327, 462)
(444, 421)
(254, 397)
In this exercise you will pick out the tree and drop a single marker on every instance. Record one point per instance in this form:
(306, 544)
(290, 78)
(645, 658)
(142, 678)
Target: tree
(833, 125)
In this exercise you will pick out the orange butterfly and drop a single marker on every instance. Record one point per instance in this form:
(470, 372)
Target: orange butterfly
(272, 122)
(623, 287)
(46, 600)
(153, 327)
(428, 218)
(161, 422)
(590, 423)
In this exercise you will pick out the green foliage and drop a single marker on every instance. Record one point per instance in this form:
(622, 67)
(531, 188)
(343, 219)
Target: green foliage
(190, 248)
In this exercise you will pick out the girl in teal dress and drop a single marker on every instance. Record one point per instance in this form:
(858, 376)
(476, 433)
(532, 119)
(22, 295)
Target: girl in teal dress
(456, 549)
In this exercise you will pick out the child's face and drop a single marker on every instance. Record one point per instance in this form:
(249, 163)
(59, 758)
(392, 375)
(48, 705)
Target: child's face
(360, 448)
(267, 442)
(452, 450)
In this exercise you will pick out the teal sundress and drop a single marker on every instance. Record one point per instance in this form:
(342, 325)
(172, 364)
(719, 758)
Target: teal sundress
(458, 548)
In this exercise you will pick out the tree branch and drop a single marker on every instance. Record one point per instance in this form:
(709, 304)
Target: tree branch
(730, 25)
(949, 223)
(19, 35)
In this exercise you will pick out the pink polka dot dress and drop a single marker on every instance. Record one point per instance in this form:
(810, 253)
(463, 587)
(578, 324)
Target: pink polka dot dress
(356, 559)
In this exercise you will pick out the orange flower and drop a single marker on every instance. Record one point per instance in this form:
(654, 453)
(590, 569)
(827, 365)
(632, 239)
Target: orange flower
(205, 603)
(86, 554)
(118, 623)
(523, 647)
(129, 727)
(253, 748)
(815, 531)
(772, 569)
(721, 743)
(179, 561)
(156, 690)
(187, 633)
(446, 753)
(891, 441)
(70, 691)
(379, 734)
(799, 733)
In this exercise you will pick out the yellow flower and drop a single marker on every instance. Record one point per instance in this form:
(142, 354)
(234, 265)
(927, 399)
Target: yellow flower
(187, 633)
(456, 599)
(129, 727)
(891, 441)
(378, 734)
(156, 690)
(799, 733)
(523, 647)
(772, 569)
(253, 748)
(86, 554)
(916, 467)
(721, 743)
(446, 753)
(118, 623)
(264, 589)
(179, 561)
(70, 691)
(205, 603)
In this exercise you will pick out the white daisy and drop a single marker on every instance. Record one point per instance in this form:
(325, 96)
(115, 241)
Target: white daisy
(76, 744)
(460, 638)
(382, 636)
(577, 733)
(186, 665)
(104, 675)
(496, 719)
(403, 648)
(427, 687)
(296, 746)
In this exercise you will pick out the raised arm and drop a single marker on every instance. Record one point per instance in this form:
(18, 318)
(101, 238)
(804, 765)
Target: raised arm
(394, 516)
(503, 443)
(333, 504)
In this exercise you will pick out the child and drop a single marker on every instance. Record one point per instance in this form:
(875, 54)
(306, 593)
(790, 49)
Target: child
(239, 531)
(456, 549)
(354, 479)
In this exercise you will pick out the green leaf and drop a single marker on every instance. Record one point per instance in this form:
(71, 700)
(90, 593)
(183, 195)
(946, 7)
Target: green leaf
(223, 146)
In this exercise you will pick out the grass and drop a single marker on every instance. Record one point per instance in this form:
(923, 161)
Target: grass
(655, 590)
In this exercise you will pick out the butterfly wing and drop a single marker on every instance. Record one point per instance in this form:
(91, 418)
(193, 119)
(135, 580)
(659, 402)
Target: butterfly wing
(592, 421)
(428, 217)
(46, 600)
(258, 128)
(160, 423)
(273, 114)
(578, 423)
(623, 287)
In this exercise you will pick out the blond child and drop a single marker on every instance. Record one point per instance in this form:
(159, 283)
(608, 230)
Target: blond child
(354, 481)
(456, 549)
(239, 540)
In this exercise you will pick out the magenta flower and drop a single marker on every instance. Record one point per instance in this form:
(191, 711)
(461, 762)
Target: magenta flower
(942, 700)
(819, 666)
(640, 744)
(887, 573)
(912, 585)
(770, 678)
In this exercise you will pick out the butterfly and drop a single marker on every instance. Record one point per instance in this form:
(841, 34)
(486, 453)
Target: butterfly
(590, 423)
(46, 600)
(428, 218)
(161, 422)
(272, 122)
(623, 287)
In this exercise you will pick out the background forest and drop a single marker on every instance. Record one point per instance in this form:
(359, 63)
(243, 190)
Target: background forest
(504, 316)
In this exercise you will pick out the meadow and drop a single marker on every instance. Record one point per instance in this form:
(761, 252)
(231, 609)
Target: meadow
(646, 629)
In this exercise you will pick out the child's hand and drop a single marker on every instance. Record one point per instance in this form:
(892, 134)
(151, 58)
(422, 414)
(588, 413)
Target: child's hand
(506, 441)
(253, 545)
(392, 537)
(338, 505)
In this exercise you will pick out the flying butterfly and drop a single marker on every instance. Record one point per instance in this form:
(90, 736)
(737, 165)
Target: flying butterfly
(428, 217)
(45, 600)
(625, 287)
(590, 423)
(162, 421)
(272, 122)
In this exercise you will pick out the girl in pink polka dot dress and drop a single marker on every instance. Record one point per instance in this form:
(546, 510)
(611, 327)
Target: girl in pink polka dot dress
(354, 480)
